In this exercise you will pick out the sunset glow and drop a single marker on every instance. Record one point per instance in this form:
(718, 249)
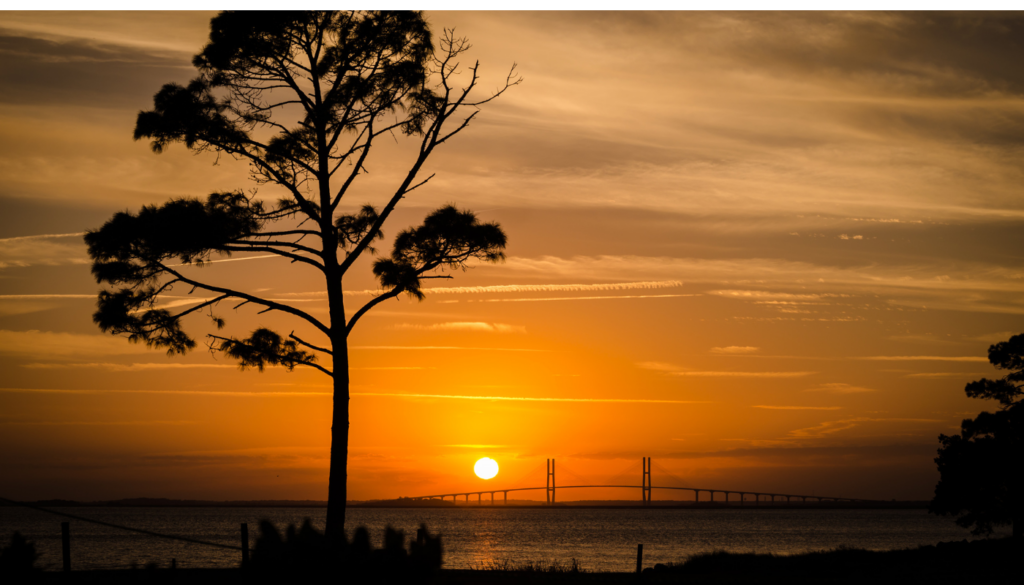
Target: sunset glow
(767, 250)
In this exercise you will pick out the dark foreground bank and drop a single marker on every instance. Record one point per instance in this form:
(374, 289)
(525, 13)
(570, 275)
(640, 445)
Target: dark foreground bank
(993, 561)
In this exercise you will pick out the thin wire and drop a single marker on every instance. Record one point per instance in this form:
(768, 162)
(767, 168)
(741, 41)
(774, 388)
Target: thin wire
(128, 528)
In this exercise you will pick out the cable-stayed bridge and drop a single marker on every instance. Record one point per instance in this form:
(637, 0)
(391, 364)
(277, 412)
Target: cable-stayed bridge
(646, 490)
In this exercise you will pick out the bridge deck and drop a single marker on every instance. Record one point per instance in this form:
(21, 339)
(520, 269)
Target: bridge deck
(709, 490)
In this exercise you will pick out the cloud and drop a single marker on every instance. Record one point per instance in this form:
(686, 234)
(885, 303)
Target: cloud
(831, 427)
(530, 398)
(840, 388)
(465, 326)
(235, 394)
(441, 348)
(723, 374)
(43, 250)
(945, 375)
(763, 294)
(921, 358)
(63, 70)
(396, 368)
(97, 423)
(41, 237)
(134, 367)
(674, 370)
(769, 407)
(525, 288)
(994, 337)
(970, 286)
(43, 297)
(659, 366)
(519, 288)
(813, 454)
(260, 257)
(734, 350)
(160, 31)
(51, 344)
(601, 298)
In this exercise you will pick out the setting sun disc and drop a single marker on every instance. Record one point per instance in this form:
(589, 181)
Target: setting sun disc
(486, 468)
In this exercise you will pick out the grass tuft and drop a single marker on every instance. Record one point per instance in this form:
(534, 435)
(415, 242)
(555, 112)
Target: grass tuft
(512, 566)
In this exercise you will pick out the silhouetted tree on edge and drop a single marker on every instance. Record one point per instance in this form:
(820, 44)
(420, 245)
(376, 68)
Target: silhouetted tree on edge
(302, 97)
(981, 469)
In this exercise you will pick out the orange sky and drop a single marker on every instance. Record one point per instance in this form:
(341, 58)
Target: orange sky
(767, 250)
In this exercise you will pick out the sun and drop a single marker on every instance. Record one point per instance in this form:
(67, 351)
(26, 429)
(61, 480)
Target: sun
(486, 468)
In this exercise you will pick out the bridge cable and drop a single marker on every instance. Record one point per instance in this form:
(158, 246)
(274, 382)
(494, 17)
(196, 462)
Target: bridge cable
(662, 471)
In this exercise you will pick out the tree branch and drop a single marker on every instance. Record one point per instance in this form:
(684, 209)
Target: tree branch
(252, 299)
(373, 303)
(309, 345)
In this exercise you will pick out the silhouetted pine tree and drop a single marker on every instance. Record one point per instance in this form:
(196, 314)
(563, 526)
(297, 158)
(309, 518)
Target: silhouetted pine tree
(303, 97)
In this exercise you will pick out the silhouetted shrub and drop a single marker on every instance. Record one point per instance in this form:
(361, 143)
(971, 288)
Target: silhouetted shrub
(307, 554)
(19, 556)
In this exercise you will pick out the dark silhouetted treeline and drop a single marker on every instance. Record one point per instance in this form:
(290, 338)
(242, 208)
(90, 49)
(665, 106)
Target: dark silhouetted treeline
(981, 469)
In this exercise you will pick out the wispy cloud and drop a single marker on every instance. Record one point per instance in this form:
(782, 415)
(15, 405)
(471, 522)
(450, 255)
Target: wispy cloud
(966, 286)
(43, 297)
(441, 348)
(764, 294)
(734, 349)
(530, 398)
(945, 375)
(275, 394)
(97, 423)
(600, 298)
(922, 358)
(771, 407)
(396, 368)
(728, 374)
(45, 250)
(674, 370)
(41, 237)
(261, 257)
(46, 343)
(465, 326)
(658, 366)
(238, 394)
(525, 288)
(830, 427)
(518, 288)
(840, 388)
(135, 367)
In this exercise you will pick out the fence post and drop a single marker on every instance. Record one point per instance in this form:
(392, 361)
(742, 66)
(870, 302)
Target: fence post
(639, 558)
(65, 544)
(245, 544)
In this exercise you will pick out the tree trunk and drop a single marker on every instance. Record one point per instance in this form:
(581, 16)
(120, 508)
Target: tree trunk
(337, 487)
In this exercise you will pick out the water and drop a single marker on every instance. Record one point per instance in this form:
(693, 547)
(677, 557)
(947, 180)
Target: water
(602, 539)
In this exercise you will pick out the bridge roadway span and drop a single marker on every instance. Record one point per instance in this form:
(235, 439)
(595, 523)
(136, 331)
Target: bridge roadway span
(697, 491)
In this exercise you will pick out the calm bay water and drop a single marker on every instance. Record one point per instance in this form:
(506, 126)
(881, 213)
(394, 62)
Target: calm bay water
(602, 539)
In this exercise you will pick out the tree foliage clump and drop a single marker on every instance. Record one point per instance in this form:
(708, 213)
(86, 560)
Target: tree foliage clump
(981, 469)
(302, 98)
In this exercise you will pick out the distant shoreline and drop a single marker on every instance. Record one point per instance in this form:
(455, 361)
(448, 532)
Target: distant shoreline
(471, 505)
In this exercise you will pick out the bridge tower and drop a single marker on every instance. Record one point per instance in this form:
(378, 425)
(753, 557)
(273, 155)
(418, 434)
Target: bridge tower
(551, 481)
(647, 481)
